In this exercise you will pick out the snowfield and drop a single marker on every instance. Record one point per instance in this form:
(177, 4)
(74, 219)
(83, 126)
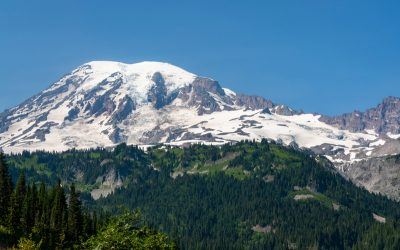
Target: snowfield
(102, 103)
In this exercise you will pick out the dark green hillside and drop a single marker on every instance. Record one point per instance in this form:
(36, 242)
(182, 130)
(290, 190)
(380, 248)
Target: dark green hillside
(248, 195)
(83, 168)
(36, 217)
(256, 195)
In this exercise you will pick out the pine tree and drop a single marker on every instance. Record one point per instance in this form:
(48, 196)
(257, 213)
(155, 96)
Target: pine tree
(5, 190)
(58, 217)
(42, 214)
(24, 217)
(94, 223)
(16, 221)
(42, 201)
(75, 219)
(30, 208)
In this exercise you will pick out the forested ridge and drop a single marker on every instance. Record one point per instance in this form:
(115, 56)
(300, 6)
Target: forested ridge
(36, 217)
(253, 195)
(35, 213)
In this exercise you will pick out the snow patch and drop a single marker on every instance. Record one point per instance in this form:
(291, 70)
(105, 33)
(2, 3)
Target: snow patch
(379, 142)
(393, 136)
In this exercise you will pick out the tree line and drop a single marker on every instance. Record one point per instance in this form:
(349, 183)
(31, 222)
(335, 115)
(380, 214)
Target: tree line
(35, 217)
(50, 217)
(233, 196)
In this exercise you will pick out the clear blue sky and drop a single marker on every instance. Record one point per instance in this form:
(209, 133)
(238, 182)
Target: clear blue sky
(321, 56)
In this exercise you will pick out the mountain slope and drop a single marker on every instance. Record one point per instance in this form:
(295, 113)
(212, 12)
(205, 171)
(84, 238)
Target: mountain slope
(102, 104)
(246, 195)
(98, 104)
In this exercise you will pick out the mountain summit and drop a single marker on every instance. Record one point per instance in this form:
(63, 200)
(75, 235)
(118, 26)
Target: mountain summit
(103, 103)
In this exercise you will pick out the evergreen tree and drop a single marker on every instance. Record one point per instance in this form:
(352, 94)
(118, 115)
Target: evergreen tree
(94, 222)
(245, 199)
(41, 228)
(5, 190)
(126, 232)
(30, 208)
(58, 218)
(39, 219)
(75, 220)
(16, 222)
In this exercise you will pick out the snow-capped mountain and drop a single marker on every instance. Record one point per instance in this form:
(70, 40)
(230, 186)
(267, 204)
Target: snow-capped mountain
(104, 103)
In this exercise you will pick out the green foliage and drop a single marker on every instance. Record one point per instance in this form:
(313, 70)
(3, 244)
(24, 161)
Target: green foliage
(16, 220)
(380, 236)
(43, 219)
(5, 190)
(219, 210)
(238, 196)
(323, 199)
(126, 232)
(75, 217)
(83, 168)
(27, 244)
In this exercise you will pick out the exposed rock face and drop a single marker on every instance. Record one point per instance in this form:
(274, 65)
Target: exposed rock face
(4, 122)
(201, 84)
(158, 92)
(266, 111)
(253, 102)
(382, 119)
(100, 99)
(72, 114)
(103, 104)
(116, 135)
(107, 184)
(206, 95)
(125, 108)
(380, 174)
(40, 133)
(285, 110)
